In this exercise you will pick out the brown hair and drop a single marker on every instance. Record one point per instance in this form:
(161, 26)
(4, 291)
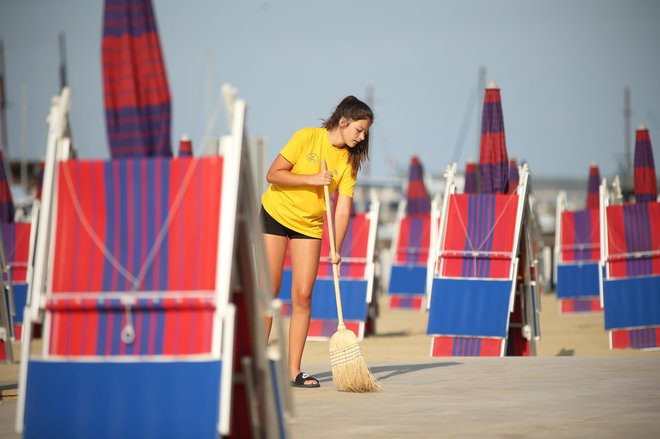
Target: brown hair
(352, 109)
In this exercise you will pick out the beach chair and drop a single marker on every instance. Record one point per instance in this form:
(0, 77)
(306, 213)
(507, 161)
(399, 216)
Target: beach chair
(481, 267)
(410, 244)
(356, 279)
(630, 255)
(577, 251)
(16, 239)
(630, 276)
(149, 283)
(577, 255)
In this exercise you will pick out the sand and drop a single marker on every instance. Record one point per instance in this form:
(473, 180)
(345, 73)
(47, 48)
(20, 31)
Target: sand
(401, 334)
(575, 387)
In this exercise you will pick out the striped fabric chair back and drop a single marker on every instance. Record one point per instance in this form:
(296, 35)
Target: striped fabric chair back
(136, 246)
(354, 251)
(479, 236)
(413, 240)
(633, 240)
(580, 237)
(16, 239)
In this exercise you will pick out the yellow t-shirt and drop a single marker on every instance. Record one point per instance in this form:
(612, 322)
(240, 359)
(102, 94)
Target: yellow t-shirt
(302, 208)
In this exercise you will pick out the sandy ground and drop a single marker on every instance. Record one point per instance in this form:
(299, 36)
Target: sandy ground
(401, 338)
(401, 334)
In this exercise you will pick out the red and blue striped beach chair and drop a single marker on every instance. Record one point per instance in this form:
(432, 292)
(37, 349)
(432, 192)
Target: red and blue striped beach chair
(150, 308)
(410, 244)
(631, 280)
(7, 213)
(16, 240)
(630, 258)
(577, 252)
(475, 270)
(356, 281)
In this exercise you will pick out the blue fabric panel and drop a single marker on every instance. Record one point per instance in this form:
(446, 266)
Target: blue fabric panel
(285, 289)
(577, 280)
(473, 307)
(20, 299)
(408, 279)
(122, 400)
(632, 302)
(353, 299)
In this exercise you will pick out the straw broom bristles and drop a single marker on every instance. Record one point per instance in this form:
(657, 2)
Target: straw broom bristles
(350, 372)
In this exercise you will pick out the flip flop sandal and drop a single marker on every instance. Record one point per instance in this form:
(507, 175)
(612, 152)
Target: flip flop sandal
(301, 378)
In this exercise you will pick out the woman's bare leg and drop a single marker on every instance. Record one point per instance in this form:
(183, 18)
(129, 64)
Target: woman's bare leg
(305, 255)
(275, 247)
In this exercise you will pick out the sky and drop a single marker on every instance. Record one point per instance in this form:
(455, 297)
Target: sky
(562, 68)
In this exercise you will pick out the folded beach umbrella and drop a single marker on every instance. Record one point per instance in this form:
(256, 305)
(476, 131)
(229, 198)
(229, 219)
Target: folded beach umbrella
(417, 196)
(646, 185)
(185, 146)
(137, 97)
(6, 201)
(40, 179)
(470, 178)
(493, 159)
(593, 198)
(514, 176)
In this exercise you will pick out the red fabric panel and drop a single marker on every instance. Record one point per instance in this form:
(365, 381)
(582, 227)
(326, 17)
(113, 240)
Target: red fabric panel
(574, 234)
(414, 240)
(488, 229)
(633, 228)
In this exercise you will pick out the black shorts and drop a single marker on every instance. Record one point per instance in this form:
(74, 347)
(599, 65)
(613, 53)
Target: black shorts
(272, 227)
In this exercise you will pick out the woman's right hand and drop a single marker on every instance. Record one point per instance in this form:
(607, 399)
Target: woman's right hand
(323, 178)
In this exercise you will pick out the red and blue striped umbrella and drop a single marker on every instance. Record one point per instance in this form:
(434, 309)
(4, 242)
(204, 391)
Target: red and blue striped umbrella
(470, 178)
(137, 97)
(7, 210)
(646, 185)
(493, 159)
(40, 180)
(514, 176)
(185, 146)
(593, 197)
(418, 198)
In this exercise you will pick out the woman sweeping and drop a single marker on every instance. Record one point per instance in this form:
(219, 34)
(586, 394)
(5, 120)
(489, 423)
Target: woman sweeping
(293, 209)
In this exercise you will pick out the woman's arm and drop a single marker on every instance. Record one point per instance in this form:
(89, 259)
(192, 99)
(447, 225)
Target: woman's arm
(280, 174)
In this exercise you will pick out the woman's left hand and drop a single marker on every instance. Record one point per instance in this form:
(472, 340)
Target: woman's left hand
(334, 259)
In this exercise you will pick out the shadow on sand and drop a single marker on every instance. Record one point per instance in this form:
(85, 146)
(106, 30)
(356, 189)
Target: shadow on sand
(386, 372)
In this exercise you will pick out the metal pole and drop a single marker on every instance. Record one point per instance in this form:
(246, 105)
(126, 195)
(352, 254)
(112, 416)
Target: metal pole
(481, 89)
(627, 113)
(63, 78)
(4, 142)
(481, 92)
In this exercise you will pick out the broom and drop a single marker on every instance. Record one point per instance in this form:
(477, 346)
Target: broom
(349, 370)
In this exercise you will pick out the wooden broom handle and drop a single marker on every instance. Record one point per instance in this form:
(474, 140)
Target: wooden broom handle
(333, 250)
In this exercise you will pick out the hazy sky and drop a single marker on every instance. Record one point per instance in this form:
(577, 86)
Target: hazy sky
(562, 67)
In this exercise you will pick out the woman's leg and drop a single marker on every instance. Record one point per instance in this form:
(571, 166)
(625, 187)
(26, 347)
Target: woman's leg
(275, 247)
(305, 255)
